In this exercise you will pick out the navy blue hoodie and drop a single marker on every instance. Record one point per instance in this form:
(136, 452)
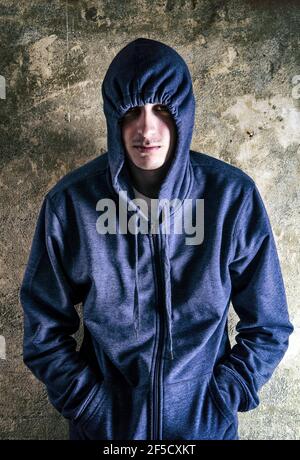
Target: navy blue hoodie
(155, 361)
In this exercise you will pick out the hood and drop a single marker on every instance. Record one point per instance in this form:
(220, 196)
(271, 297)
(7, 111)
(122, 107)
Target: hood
(148, 71)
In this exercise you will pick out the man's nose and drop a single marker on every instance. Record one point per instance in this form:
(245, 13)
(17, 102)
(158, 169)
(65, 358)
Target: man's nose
(147, 123)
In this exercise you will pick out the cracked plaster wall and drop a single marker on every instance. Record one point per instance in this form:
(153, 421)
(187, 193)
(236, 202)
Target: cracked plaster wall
(244, 58)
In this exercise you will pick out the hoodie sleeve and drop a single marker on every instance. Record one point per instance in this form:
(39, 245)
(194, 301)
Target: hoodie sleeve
(258, 297)
(50, 319)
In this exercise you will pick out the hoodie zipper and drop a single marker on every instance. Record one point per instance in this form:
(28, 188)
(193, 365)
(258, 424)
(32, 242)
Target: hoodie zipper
(158, 358)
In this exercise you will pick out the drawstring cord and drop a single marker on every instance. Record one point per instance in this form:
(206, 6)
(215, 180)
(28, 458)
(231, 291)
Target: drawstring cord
(166, 269)
(136, 310)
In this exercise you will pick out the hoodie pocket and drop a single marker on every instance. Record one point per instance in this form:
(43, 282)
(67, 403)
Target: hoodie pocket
(117, 412)
(96, 420)
(219, 401)
(194, 409)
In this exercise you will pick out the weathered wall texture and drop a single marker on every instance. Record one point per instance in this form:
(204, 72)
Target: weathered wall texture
(244, 58)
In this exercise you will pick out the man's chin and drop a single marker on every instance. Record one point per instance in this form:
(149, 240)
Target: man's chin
(150, 167)
(146, 164)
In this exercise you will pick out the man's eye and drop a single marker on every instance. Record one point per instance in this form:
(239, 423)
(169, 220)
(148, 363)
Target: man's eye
(162, 108)
(131, 111)
(136, 110)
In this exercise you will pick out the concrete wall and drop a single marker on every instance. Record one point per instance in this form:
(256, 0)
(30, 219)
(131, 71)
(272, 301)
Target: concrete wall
(244, 58)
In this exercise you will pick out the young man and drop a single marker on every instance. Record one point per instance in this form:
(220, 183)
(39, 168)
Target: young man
(156, 361)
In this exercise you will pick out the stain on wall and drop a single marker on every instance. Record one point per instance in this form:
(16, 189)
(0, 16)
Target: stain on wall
(244, 57)
(2, 347)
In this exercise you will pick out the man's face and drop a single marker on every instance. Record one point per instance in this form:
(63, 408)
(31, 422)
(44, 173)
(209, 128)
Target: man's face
(149, 135)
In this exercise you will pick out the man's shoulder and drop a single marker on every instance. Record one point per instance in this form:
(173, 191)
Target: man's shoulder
(87, 171)
(220, 170)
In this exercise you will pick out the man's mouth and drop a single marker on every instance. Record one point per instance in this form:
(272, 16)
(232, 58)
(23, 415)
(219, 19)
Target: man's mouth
(147, 149)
